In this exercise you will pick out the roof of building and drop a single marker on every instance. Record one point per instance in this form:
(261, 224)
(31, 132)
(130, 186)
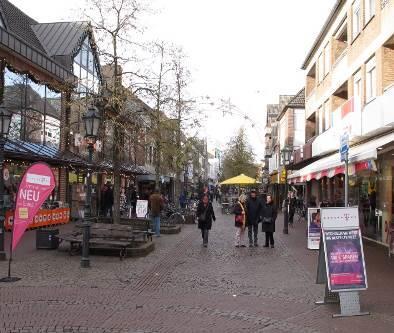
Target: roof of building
(61, 38)
(331, 17)
(57, 41)
(19, 23)
(296, 102)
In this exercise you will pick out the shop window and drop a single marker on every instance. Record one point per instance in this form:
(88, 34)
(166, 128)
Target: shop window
(370, 84)
(357, 17)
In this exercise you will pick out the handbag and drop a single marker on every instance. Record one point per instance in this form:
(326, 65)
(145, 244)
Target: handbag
(267, 220)
(203, 216)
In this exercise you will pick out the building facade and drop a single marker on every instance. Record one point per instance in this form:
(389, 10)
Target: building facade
(350, 90)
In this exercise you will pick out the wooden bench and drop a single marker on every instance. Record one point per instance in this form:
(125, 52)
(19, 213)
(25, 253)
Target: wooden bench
(107, 237)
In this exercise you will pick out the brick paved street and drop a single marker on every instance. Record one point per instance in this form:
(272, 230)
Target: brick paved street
(182, 287)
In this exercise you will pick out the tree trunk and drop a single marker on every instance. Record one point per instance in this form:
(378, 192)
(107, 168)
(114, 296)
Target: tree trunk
(117, 180)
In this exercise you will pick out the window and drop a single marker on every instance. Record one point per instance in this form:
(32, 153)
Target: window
(321, 120)
(356, 19)
(327, 60)
(321, 68)
(327, 115)
(369, 10)
(370, 84)
(299, 127)
(357, 84)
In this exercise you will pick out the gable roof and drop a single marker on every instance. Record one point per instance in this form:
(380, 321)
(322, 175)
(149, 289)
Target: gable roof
(61, 38)
(296, 102)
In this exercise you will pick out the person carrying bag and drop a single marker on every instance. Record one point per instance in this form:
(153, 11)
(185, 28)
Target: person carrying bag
(205, 215)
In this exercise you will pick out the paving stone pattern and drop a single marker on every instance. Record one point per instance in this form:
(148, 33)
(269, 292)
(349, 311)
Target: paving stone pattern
(183, 287)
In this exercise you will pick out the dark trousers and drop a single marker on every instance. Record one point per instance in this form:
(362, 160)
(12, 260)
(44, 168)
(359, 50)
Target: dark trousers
(252, 233)
(291, 217)
(269, 238)
(204, 235)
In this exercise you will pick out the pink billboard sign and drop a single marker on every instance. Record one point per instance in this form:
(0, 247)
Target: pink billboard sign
(37, 184)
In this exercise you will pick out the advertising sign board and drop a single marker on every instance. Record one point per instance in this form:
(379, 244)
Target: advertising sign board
(314, 228)
(142, 208)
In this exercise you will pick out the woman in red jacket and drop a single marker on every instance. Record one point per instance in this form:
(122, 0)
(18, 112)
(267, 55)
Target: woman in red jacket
(240, 221)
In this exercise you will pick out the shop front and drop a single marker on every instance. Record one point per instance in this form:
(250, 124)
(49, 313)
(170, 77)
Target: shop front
(371, 172)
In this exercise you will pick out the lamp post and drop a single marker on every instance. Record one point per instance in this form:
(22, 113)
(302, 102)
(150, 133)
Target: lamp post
(91, 121)
(286, 154)
(5, 121)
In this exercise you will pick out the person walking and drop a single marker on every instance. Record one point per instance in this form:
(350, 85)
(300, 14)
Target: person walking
(240, 221)
(254, 209)
(269, 218)
(108, 199)
(156, 206)
(205, 215)
(292, 208)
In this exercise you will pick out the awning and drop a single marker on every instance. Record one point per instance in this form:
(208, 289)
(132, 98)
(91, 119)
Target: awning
(361, 157)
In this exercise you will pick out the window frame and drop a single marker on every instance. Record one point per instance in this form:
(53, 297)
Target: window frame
(320, 70)
(358, 81)
(370, 80)
(327, 59)
(369, 10)
(356, 8)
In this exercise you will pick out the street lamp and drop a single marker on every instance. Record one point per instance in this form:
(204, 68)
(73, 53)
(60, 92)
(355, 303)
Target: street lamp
(5, 121)
(91, 121)
(286, 156)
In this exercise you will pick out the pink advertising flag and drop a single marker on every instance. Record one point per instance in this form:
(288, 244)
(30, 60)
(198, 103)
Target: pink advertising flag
(37, 184)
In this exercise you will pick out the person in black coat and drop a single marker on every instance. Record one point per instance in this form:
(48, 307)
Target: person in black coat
(254, 210)
(205, 215)
(269, 218)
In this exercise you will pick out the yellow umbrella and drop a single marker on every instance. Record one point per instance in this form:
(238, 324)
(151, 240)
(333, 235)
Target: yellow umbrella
(240, 180)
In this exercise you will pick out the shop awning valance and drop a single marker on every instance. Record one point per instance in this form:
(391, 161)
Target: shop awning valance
(361, 157)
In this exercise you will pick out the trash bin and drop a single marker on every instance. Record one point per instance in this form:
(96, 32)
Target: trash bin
(45, 239)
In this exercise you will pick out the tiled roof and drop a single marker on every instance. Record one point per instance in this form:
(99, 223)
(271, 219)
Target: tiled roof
(298, 101)
(20, 24)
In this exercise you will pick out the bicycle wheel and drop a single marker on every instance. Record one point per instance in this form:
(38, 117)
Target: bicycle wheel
(176, 218)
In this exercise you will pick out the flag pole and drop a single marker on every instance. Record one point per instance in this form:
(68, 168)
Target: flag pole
(10, 278)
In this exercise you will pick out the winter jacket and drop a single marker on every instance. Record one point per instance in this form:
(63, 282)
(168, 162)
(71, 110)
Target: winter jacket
(254, 211)
(156, 204)
(209, 215)
(270, 214)
(240, 215)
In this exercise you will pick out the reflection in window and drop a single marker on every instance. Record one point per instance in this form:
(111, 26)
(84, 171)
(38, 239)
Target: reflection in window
(34, 106)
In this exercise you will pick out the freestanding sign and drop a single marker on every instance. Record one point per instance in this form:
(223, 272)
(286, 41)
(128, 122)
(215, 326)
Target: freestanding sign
(314, 228)
(142, 208)
(37, 184)
(344, 146)
(344, 257)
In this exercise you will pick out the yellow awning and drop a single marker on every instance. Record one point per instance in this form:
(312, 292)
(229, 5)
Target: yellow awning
(240, 180)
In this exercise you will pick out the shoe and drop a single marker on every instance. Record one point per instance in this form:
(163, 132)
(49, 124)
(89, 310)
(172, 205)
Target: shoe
(256, 245)
(250, 245)
(205, 245)
(272, 246)
(266, 245)
(236, 245)
(243, 245)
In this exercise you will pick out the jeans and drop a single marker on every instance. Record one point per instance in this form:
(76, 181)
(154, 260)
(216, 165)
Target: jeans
(269, 238)
(204, 235)
(253, 231)
(239, 236)
(156, 225)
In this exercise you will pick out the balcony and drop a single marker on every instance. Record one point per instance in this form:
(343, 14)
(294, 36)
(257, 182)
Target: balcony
(377, 116)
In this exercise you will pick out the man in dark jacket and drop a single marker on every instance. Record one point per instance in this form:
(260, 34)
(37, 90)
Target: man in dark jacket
(254, 211)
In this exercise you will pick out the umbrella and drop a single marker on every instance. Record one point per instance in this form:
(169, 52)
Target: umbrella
(240, 180)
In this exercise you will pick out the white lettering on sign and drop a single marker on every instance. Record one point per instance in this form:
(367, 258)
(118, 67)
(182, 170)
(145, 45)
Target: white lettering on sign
(38, 179)
(29, 195)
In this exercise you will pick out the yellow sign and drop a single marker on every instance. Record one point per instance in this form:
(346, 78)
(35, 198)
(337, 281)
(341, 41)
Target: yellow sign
(283, 176)
(23, 213)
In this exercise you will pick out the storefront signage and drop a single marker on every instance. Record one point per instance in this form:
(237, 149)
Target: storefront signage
(343, 249)
(142, 208)
(37, 184)
(314, 228)
(344, 146)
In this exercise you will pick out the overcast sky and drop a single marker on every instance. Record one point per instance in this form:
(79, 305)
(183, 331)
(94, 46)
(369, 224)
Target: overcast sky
(250, 51)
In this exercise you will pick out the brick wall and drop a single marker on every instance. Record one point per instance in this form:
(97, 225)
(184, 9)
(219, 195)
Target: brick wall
(387, 69)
